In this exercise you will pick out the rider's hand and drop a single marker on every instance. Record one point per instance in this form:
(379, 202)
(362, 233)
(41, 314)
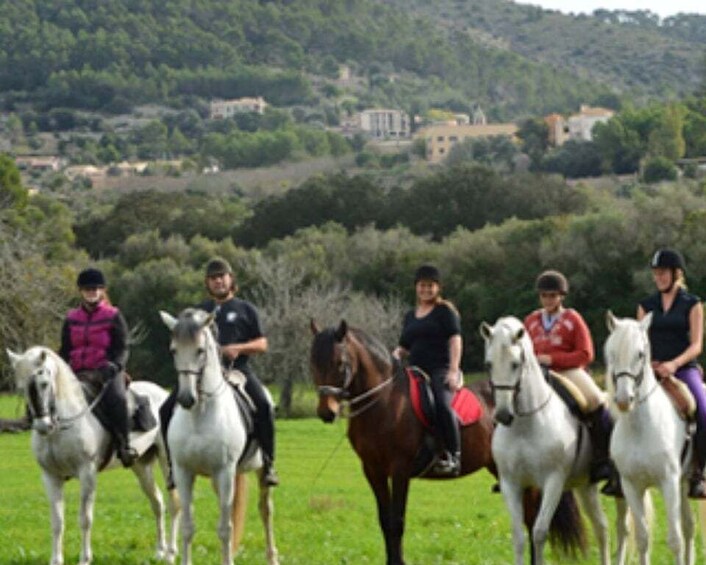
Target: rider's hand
(454, 380)
(230, 351)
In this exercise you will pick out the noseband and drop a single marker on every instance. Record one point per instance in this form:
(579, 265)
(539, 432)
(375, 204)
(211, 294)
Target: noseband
(343, 393)
(637, 378)
(517, 387)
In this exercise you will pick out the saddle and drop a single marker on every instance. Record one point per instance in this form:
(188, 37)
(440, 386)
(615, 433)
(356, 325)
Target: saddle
(236, 379)
(681, 397)
(465, 404)
(568, 392)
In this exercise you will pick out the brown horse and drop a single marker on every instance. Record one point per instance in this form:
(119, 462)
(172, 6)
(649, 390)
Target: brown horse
(349, 366)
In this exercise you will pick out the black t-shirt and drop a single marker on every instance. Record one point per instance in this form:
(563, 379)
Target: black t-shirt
(669, 331)
(427, 338)
(238, 322)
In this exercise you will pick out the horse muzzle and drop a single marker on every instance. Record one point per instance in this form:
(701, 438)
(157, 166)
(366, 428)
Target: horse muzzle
(186, 400)
(503, 416)
(44, 425)
(624, 404)
(328, 409)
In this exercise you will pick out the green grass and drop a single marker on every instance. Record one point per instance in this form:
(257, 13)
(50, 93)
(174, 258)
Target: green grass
(325, 512)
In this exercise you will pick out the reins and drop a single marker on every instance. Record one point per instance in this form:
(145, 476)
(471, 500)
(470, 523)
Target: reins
(517, 387)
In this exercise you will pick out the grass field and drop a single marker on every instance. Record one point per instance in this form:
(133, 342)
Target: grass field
(324, 512)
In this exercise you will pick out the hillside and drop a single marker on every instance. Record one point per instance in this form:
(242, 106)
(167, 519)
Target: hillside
(110, 56)
(635, 52)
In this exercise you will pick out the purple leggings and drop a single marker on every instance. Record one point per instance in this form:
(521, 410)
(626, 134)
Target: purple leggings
(692, 378)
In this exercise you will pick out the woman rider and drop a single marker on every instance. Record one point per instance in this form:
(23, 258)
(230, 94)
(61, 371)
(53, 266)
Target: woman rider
(431, 338)
(676, 340)
(562, 343)
(94, 341)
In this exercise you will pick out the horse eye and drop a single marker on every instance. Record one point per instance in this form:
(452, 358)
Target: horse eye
(200, 351)
(515, 365)
(488, 366)
(172, 351)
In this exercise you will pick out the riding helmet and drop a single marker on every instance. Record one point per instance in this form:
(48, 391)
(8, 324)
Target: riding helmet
(667, 259)
(218, 266)
(90, 278)
(552, 281)
(427, 273)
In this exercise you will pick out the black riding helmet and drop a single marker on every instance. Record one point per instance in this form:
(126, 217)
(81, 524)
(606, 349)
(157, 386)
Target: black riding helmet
(552, 281)
(427, 273)
(667, 259)
(90, 277)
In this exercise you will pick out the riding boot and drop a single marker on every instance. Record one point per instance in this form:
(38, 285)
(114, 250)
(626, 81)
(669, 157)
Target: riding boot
(114, 404)
(697, 485)
(600, 426)
(613, 487)
(166, 411)
(265, 432)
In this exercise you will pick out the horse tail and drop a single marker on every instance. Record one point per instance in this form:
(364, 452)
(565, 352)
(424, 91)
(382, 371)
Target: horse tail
(237, 515)
(567, 533)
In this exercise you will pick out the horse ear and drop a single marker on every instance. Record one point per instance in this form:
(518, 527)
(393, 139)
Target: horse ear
(209, 320)
(646, 321)
(610, 321)
(486, 330)
(42, 357)
(169, 320)
(314, 326)
(518, 335)
(14, 357)
(341, 331)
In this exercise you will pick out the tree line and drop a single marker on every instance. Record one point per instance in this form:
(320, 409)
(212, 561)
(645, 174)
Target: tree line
(154, 246)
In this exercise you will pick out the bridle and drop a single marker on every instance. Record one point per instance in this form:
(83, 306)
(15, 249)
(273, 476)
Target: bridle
(199, 373)
(343, 393)
(516, 388)
(62, 423)
(637, 377)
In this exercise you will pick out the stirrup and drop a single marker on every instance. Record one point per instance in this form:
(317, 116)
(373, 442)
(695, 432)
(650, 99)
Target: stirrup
(697, 488)
(270, 477)
(127, 456)
(601, 471)
(613, 487)
(448, 464)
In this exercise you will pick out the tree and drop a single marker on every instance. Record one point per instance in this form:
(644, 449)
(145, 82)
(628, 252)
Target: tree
(659, 169)
(667, 139)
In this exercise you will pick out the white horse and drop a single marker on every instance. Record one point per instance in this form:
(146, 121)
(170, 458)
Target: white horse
(539, 444)
(649, 442)
(69, 441)
(207, 436)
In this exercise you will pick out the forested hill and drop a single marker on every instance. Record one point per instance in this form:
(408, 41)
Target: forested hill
(114, 54)
(635, 51)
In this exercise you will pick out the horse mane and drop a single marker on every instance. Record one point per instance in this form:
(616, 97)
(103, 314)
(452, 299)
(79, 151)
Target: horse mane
(323, 347)
(189, 325)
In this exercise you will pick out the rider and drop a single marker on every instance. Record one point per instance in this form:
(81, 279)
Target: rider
(562, 342)
(240, 335)
(431, 337)
(94, 341)
(676, 340)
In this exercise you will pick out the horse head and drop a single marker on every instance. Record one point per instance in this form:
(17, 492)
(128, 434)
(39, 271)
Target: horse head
(195, 353)
(507, 353)
(35, 373)
(332, 368)
(627, 355)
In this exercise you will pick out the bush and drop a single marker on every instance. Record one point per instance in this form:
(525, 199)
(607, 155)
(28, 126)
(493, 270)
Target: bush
(659, 169)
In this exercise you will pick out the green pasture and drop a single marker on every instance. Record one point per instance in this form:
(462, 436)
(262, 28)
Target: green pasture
(325, 512)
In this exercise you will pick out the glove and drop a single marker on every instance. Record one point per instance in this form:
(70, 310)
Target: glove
(110, 370)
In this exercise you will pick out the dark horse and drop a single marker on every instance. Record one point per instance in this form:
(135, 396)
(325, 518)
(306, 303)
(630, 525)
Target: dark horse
(349, 366)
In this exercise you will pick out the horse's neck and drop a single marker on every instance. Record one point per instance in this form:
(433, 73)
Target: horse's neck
(69, 393)
(368, 375)
(534, 388)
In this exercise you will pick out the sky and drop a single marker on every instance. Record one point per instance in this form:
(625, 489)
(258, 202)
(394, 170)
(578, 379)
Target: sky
(664, 8)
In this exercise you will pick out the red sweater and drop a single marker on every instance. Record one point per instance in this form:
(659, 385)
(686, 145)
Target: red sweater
(568, 341)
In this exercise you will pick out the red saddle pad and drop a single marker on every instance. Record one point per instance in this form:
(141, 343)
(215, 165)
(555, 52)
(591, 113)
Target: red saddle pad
(466, 404)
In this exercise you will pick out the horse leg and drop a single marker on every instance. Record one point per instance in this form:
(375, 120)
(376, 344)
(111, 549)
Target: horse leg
(592, 505)
(623, 530)
(267, 508)
(551, 495)
(54, 487)
(145, 476)
(400, 489)
(185, 484)
(636, 503)
(671, 492)
(381, 489)
(87, 476)
(224, 483)
(173, 505)
(688, 528)
(513, 495)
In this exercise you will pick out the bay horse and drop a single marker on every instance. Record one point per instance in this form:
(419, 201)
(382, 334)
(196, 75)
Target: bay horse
(649, 444)
(540, 444)
(208, 436)
(349, 366)
(68, 441)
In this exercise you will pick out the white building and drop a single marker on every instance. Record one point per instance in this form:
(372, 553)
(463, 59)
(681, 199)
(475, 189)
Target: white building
(385, 124)
(581, 125)
(221, 109)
